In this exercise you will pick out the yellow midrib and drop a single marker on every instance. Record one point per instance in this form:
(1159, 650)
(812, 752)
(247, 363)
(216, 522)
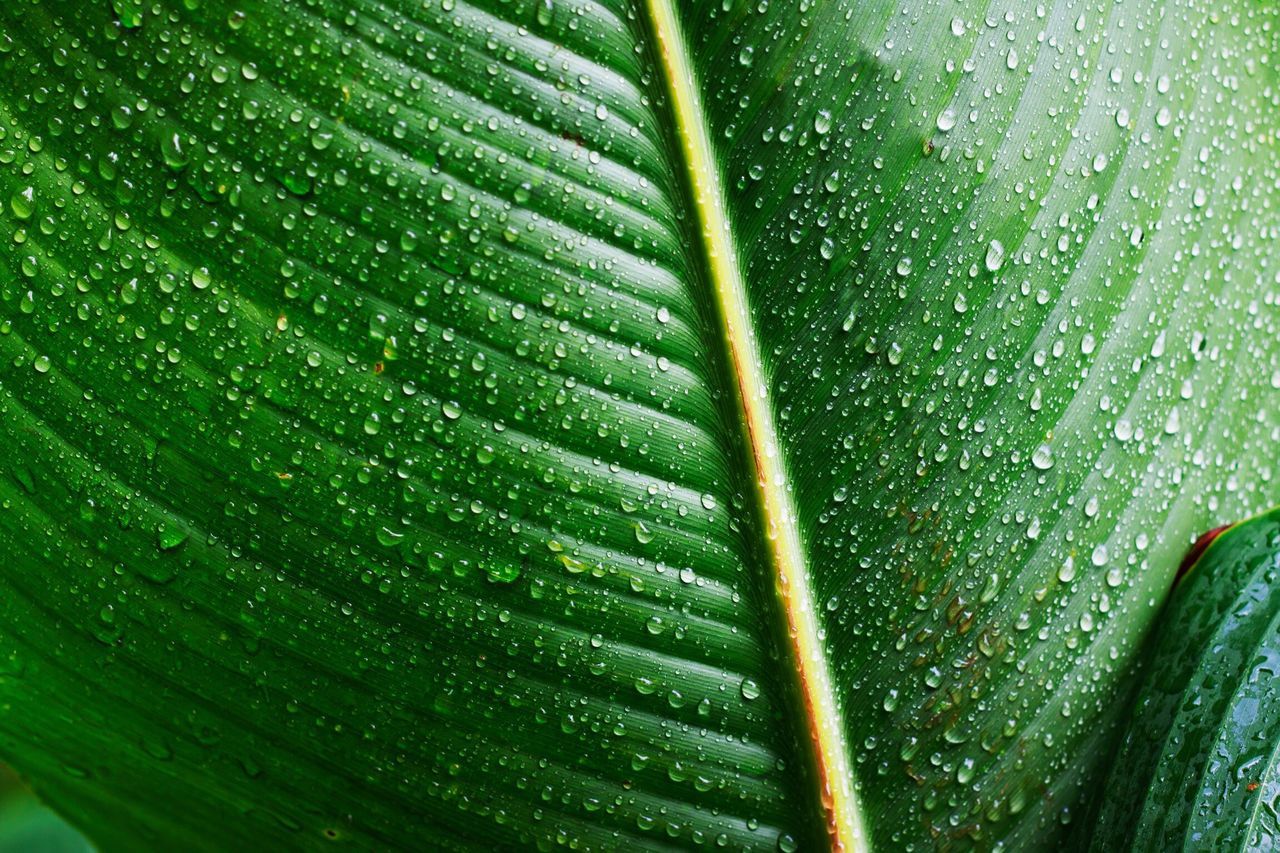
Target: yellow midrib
(844, 820)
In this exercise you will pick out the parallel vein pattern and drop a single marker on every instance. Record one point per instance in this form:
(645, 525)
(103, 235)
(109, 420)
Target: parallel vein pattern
(364, 442)
(373, 470)
(1013, 272)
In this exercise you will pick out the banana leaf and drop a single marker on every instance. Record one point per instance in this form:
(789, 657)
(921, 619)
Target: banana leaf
(604, 424)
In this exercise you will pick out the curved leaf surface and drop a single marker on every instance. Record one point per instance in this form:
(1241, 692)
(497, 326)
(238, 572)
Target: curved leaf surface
(1197, 768)
(369, 473)
(602, 424)
(1010, 272)
(28, 827)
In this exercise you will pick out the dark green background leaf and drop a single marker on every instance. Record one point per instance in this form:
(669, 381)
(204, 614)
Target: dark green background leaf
(1197, 769)
(28, 827)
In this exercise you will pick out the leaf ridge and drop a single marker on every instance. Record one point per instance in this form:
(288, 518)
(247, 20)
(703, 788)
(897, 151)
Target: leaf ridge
(845, 823)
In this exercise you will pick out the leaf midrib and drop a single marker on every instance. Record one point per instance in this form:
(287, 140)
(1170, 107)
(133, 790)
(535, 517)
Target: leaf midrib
(787, 561)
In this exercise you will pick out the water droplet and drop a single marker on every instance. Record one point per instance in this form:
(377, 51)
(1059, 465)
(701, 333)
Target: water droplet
(1042, 458)
(169, 537)
(128, 12)
(995, 256)
(173, 153)
(23, 203)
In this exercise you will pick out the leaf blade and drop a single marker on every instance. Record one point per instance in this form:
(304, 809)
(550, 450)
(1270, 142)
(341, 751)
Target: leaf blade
(611, 586)
(382, 190)
(977, 249)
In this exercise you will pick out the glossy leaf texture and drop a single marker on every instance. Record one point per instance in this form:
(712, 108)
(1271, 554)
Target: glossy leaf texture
(375, 469)
(367, 476)
(1014, 278)
(1197, 768)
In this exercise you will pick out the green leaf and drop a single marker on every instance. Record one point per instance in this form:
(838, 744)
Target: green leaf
(28, 827)
(524, 423)
(1197, 768)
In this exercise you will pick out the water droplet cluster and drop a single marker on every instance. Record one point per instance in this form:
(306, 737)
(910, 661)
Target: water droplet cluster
(370, 471)
(1020, 353)
(366, 416)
